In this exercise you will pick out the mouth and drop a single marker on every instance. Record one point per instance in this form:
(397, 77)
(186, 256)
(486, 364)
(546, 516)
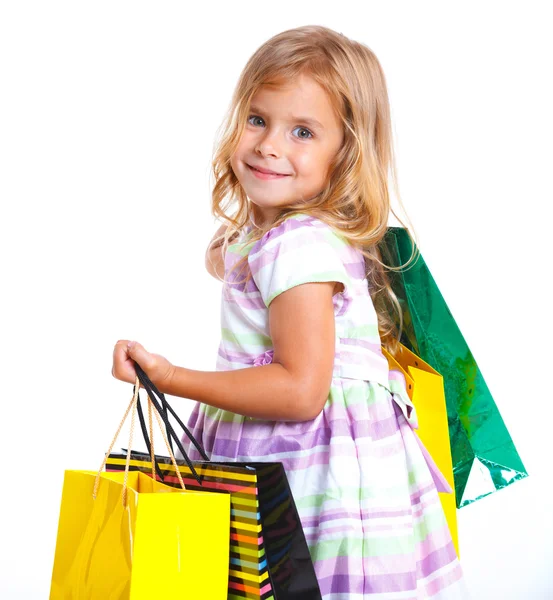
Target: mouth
(261, 173)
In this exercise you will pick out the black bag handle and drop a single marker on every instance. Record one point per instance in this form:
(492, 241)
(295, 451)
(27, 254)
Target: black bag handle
(152, 390)
(145, 434)
(163, 407)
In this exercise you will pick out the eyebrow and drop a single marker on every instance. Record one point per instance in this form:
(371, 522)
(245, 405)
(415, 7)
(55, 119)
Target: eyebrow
(309, 121)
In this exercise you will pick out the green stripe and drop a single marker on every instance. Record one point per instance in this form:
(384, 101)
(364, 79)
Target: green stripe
(254, 339)
(241, 551)
(335, 241)
(250, 516)
(240, 248)
(354, 494)
(374, 547)
(249, 567)
(352, 395)
(322, 277)
(362, 331)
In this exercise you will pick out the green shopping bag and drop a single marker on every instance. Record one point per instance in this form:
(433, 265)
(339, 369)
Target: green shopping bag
(483, 454)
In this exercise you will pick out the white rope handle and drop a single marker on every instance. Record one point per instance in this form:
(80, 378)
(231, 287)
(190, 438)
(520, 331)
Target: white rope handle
(131, 408)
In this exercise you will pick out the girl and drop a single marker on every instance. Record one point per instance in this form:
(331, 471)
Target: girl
(304, 162)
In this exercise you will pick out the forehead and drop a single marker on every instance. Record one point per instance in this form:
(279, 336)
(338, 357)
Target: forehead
(301, 97)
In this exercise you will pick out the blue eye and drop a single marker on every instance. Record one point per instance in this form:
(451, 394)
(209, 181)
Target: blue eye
(256, 121)
(303, 133)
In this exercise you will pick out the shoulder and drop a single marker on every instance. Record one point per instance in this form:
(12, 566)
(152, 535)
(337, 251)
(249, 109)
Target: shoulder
(296, 232)
(299, 250)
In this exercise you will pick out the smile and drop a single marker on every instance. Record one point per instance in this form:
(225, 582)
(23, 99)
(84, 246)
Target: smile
(265, 173)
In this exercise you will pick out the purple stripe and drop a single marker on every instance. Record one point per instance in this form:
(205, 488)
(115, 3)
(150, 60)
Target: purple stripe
(341, 303)
(229, 449)
(355, 269)
(288, 225)
(394, 375)
(443, 581)
(351, 423)
(352, 254)
(261, 441)
(438, 538)
(270, 255)
(422, 491)
(298, 463)
(331, 515)
(375, 566)
(436, 560)
(371, 524)
(310, 434)
(237, 278)
(386, 564)
(359, 358)
(432, 503)
(375, 514)
(338, 583)
(378, 430)
(254, 302)
(242, 358)
(373, 346)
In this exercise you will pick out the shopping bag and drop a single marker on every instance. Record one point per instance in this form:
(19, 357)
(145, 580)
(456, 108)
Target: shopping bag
(269, 556)
(483, 454)
(127, 536)
(160, 545)
(426, 390)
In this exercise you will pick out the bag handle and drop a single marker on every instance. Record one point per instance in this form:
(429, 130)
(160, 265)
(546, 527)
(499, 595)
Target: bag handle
(163, 407)
(152, 393)
(155, 466)
(132, 407)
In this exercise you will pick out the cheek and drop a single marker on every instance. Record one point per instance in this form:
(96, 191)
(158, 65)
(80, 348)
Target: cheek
(246, 143)
(304, 162)
(234, 162)
(240, 150)
(311, 165)
(239, 155)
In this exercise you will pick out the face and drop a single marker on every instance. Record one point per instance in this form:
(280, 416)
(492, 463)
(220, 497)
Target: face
(292, 135)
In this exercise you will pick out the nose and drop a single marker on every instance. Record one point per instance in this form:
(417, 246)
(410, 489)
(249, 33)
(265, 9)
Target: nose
(268, 145)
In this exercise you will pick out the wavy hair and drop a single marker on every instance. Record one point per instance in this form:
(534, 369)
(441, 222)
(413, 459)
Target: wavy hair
(356, 202)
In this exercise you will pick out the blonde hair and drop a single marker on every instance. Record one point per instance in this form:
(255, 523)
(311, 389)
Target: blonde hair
(356, 201)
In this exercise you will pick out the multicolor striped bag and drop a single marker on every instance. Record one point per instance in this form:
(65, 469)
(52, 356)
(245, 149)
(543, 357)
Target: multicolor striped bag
(269, 556)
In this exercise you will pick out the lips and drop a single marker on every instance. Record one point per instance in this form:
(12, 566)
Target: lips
(266, 173)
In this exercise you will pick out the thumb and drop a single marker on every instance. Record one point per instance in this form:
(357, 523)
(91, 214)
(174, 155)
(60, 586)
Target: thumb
(138, 353)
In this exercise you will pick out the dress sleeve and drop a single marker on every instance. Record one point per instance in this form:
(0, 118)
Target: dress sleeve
(294, 253)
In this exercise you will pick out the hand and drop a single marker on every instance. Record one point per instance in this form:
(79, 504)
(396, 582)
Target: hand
(126, 352)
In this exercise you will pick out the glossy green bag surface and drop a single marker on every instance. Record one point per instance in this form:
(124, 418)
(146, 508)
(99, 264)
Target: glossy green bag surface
(483, 454)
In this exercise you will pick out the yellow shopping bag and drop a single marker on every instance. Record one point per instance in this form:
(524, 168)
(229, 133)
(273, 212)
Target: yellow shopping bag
(165, 543)
(425, 387)
(126, 536)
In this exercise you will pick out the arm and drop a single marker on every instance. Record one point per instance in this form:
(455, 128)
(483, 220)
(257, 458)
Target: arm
(214, 259)
(294, 387)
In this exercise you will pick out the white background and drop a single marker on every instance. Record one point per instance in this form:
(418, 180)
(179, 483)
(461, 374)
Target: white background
(107, 121)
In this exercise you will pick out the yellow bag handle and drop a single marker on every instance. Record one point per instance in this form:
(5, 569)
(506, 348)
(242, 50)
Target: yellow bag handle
(408, 359)
(393, 364)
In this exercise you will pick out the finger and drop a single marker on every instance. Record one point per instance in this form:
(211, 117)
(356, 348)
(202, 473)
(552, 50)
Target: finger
(120, 351)
(138, 353)
(123, 366)
(121, 345)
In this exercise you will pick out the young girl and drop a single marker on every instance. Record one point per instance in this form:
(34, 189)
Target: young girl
(301, 377)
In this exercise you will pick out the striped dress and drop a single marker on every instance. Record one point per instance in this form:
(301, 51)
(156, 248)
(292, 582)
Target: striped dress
(362, 485)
